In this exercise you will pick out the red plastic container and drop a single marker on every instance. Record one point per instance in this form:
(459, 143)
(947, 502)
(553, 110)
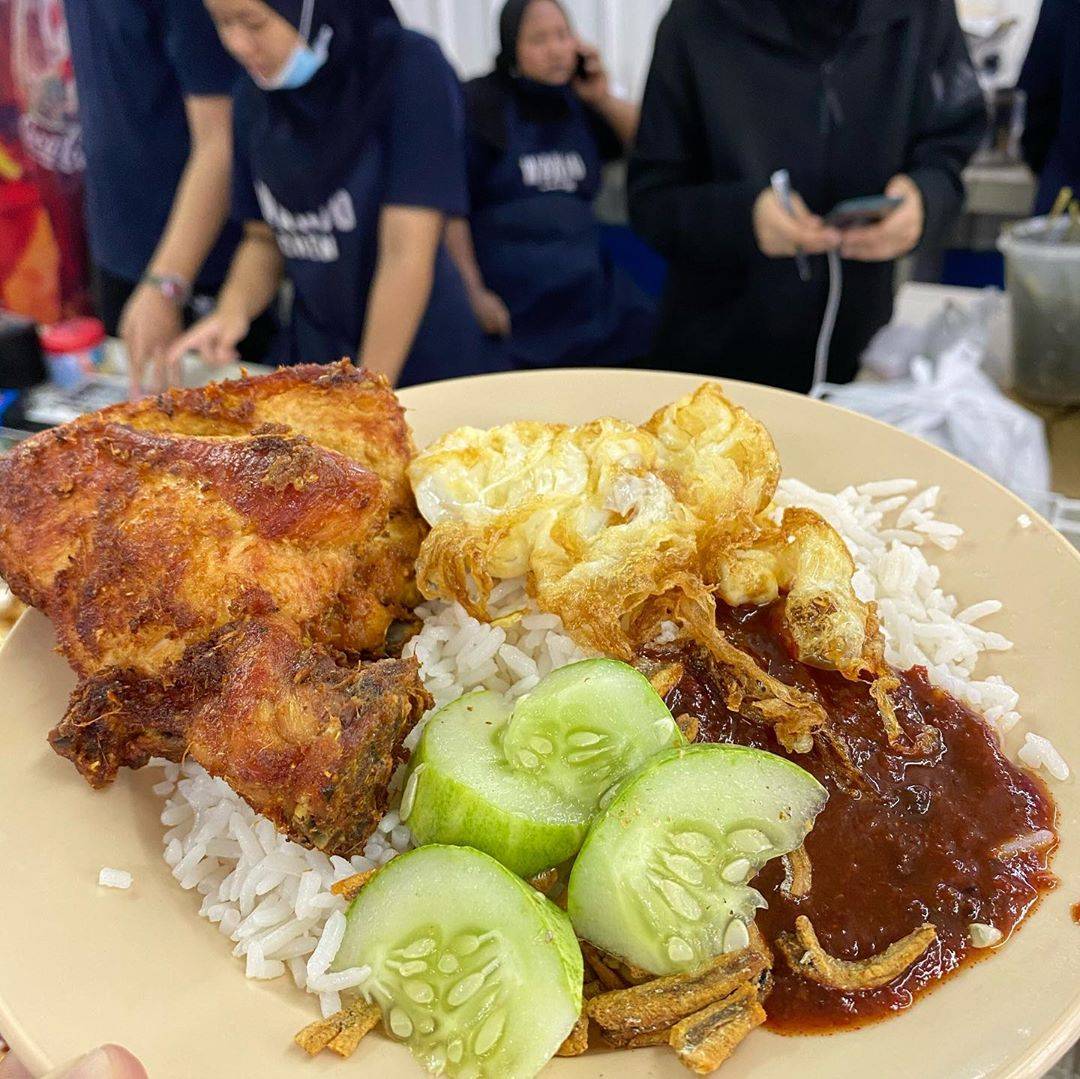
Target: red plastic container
(74, 350)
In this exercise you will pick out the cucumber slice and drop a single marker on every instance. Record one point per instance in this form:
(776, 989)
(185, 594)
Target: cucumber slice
(475, 970)
(661, 877)
(523, 785)
(461, 790)
(587, 725)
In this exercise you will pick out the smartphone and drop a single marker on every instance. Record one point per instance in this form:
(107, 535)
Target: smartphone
(581, 71)
(855, 213)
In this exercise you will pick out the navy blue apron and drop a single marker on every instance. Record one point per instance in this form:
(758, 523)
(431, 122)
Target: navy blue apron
(331, 253)
(538, 247)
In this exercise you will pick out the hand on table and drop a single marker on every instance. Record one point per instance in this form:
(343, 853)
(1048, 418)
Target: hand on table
(894, 235)
(779, 233)
(106, 1062)
(215, 339)
(149, 324)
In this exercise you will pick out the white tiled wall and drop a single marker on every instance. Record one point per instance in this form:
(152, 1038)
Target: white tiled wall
(624, 29)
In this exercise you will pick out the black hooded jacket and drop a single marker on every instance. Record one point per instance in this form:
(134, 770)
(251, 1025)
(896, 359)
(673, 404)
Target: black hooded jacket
(1051, 79)
(733, 96)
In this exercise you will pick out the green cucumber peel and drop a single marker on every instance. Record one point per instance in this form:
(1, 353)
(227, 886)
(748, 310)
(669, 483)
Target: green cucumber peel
(472, 968)
(523, 781)
(662, 876)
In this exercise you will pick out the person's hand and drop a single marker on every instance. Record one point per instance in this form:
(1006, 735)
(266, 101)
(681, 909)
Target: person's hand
(595, 87)
(894, 235)
(779, 233)
(215, 339)
(491, 312)
(149, 324)
(107, 1062)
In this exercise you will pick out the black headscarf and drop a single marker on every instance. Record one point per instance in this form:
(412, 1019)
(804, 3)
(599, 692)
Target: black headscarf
(311, 135)
(818, 25)
(487, 97)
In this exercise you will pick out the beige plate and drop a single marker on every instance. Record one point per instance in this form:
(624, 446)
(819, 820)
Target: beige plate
(81, 965)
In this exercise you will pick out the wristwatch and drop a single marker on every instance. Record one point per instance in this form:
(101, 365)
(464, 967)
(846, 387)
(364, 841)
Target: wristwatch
(173, 287)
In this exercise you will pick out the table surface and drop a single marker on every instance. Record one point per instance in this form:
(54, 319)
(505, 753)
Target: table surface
(916, 303)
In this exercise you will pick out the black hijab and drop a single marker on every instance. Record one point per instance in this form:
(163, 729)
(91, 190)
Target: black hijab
(310, 136)
(487, 98)
(818, 26)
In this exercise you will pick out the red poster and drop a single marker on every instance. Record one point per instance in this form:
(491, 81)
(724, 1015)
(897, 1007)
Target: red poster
(43, 261)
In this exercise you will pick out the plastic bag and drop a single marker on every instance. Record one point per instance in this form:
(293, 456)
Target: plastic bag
(898, 344)
(936, 388)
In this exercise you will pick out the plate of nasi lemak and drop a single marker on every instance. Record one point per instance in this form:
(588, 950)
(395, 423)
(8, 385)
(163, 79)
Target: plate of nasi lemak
(586, 722)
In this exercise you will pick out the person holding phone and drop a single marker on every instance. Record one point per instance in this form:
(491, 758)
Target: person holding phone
(540, 126)
(854, 99)
(349, 158)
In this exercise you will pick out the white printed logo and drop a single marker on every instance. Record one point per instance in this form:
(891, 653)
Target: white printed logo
(308, 235)
(552, 171)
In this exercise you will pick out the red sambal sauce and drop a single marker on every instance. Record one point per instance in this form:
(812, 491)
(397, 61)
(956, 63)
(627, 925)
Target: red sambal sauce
(920, 849)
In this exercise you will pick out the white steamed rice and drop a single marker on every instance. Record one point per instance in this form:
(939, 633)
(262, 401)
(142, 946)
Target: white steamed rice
(271, 896)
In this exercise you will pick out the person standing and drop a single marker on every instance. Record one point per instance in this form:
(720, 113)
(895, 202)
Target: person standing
(349, 158)
(153, 83)
(1051, 79)
(540, 127)
(854, 98)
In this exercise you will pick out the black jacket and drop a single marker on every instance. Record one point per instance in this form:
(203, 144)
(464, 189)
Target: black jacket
(1051, 78)
(730, 98)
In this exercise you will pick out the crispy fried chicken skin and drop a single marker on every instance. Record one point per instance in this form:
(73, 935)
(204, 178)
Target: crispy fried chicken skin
(141, 528)
(137, 545)
(215, 562)
(307, 742)
(338, 406)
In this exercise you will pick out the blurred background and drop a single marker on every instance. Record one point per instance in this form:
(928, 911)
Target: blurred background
(623, 31)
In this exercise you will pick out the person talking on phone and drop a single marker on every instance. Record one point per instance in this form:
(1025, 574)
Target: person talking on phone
(539, 127)
(854, 98)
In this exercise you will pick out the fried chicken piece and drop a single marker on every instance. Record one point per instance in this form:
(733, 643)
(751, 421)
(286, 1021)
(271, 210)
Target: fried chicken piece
(339, 406)
(137, 545)
(214, 561)
(306, 742)
(336, 405)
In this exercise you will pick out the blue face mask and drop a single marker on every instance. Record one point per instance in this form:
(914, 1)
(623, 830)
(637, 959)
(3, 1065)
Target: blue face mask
(303, 62)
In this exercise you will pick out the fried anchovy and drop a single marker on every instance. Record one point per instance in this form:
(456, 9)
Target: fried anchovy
(704, 1040)
(798, 873)
(806, 957)
(340, 1032)
(659, 1004)
(577, 1041)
